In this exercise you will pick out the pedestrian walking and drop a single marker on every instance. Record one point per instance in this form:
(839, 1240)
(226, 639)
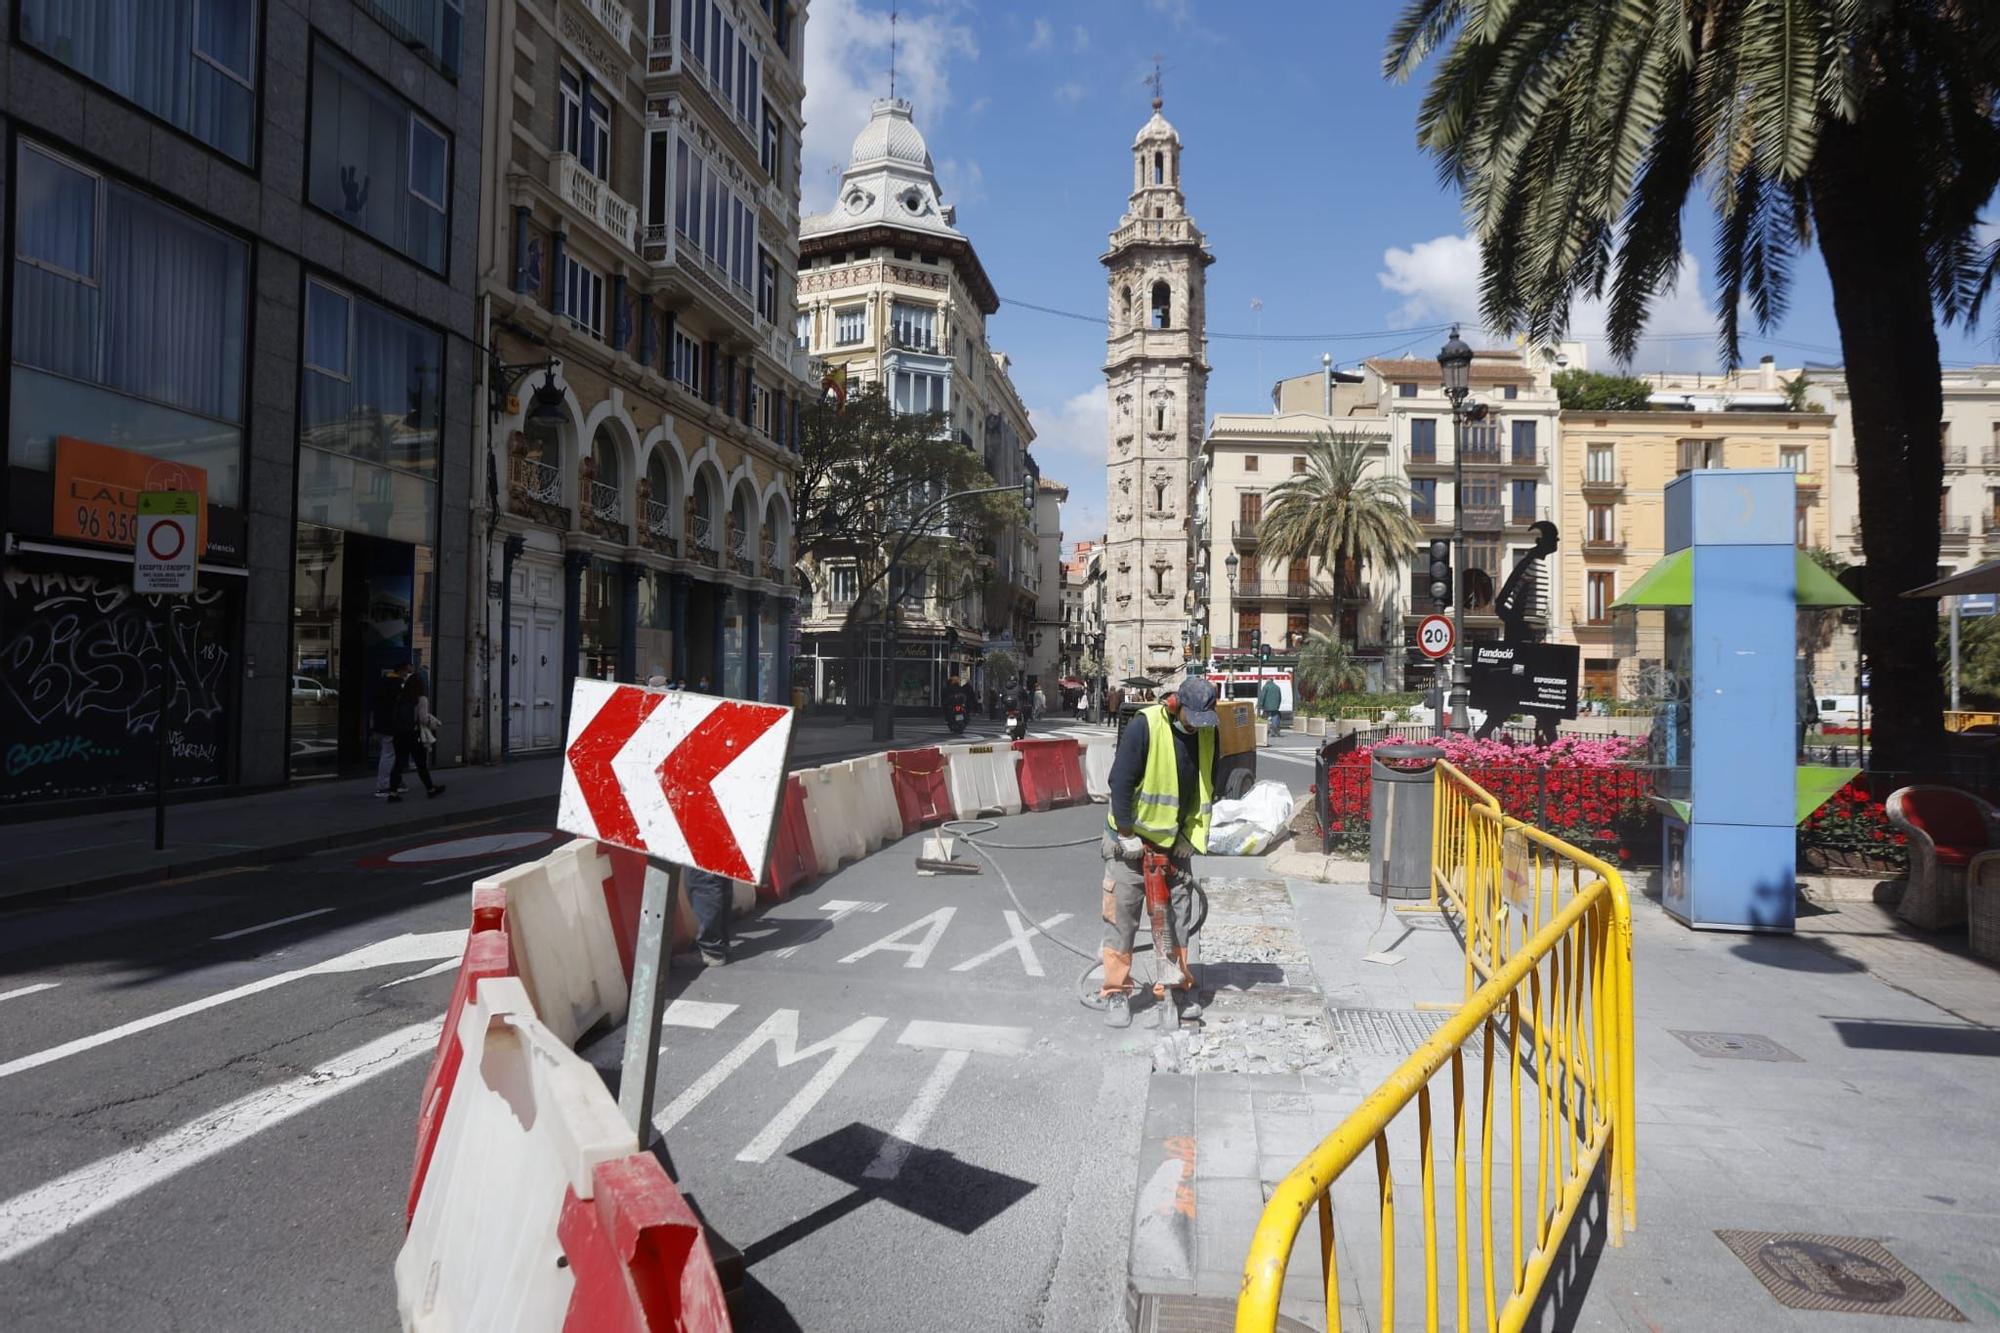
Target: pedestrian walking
(1041, 701)
(382, 727)
(710, 898)
(416, 732)
(1269, 700)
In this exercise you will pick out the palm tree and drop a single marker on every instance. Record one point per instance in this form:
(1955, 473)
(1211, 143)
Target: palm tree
(1339, 514)
(1577, 129)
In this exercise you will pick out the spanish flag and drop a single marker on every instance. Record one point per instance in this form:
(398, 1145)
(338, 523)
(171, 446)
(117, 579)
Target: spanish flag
(835, 383)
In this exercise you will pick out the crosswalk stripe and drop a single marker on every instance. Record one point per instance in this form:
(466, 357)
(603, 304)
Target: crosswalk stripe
(35, 989)
(48, 1211)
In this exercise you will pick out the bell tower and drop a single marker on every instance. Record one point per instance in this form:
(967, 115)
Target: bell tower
(1156, 369)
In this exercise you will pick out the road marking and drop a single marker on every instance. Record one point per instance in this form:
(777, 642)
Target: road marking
(271, 925)
(781, 1031)
(1017, 939)
(402, 949)
(966, 1037)
(920, 952)
(483, 870)
(35, 989)
(448, 965)
(704, 1014)
(902, 1140)
(52, 1210)
(835, 908)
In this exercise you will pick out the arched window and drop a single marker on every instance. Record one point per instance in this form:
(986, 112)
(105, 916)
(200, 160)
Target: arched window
(1162, 306)
(604, 453)
(1160, 415)
(1160, 579)
(1160, 497)
(1127, 295)
(1159, 169)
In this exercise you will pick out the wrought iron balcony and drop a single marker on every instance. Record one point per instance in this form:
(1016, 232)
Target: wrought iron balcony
(534, 484)
(1603, 545)
(701, 537)
(1609, 483)
(1244, 531)
(613, 17)
(657, 532)
(1954, 455)
(604, 501)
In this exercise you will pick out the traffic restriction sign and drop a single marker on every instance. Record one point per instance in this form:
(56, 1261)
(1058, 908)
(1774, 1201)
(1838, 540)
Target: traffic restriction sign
(1435, 636)
(163, 552)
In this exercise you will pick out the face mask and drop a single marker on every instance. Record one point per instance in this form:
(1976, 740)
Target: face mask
(1183, 727)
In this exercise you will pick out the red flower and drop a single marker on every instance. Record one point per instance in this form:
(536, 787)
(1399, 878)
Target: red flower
(1624, 853)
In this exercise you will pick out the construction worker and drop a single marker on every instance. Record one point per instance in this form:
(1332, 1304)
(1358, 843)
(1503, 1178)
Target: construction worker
(1162, 785)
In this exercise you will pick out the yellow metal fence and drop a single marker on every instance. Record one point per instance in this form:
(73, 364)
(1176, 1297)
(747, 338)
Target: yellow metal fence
(1548, 946)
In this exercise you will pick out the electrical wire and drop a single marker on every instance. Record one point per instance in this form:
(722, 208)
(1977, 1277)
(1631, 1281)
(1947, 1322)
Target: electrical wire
(968, 831)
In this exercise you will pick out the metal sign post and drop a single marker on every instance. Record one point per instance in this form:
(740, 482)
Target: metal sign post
(164, 552)
(646, 1013)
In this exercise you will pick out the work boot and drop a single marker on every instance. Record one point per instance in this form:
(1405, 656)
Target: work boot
(1118, 1011)
(1188, 1005)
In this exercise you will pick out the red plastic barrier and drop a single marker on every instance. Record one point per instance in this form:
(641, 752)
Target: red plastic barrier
(792, 859)
(489, 907)
(1051, 773)
(488, 953)
(624, 890)
(923, 793)
(639, 1256)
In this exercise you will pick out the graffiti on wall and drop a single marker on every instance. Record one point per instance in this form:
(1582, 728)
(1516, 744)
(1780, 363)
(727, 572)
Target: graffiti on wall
(81, 661)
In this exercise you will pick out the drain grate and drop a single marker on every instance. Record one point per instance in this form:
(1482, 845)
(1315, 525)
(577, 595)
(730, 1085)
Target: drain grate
(1191, 1314)
(1389, 1031)
(1848, 1274)
(1736, 1046)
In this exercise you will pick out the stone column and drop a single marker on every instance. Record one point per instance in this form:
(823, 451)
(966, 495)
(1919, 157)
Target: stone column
(677, 619)
(575, 563)
(753, 614)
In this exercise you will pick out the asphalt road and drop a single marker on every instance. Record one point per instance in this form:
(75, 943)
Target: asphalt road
(896, 1110)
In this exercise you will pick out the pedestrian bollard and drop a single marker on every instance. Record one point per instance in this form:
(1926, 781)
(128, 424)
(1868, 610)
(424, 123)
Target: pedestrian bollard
(1399, 812)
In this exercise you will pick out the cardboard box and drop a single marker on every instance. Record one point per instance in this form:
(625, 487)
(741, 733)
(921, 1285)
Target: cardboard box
(1238, 732)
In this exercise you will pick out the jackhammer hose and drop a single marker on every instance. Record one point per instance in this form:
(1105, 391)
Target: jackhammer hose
(969, 830)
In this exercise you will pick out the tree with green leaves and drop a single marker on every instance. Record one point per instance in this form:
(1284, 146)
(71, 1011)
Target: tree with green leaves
(1339, 512)
(868, 477)
(1795, 394)
(1576, 131)
(1588, 390)
(1326, 667)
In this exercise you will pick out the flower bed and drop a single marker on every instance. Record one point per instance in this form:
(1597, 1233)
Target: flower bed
(1586, 792)
(1851, 833)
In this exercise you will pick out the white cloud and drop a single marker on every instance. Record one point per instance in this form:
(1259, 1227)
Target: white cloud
(1176, 12)
(1070, 93)
(1438, 280)
(847, 68)
(1079, 39)
(1069, 445)
(1043, 35)
(978, 106)
(962, 180)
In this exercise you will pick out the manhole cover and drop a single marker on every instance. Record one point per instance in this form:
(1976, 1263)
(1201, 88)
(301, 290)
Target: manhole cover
(1389, 1031)
(1849, 1274)
(1192, 1314)
(1735, 1046)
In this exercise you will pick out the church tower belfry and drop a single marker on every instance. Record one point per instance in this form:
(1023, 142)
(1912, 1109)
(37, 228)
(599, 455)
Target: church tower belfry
(1156, 372)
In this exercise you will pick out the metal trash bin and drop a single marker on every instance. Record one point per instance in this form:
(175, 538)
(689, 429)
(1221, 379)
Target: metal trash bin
(1399, 814)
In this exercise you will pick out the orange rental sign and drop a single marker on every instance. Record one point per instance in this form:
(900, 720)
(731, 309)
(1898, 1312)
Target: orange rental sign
(97, 491)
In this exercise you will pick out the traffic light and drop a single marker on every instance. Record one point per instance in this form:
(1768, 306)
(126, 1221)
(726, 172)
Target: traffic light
(1440, 572)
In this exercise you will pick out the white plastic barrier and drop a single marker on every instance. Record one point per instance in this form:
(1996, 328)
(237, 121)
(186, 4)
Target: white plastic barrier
(882, 821)
(1098, 752)
(984, 779)
(564, 951)
(529, 1117)
(833, 815)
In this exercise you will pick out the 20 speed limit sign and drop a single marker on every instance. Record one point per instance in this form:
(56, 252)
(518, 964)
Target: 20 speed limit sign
(1435, 636)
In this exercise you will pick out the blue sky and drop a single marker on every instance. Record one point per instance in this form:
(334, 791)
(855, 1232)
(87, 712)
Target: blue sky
(1300, 162)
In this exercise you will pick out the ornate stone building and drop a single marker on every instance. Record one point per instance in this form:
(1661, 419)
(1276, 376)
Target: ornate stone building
(893, 292)
(1157, 371)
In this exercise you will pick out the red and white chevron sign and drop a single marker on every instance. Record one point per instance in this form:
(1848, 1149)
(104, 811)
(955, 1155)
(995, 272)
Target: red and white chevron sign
(686, 778)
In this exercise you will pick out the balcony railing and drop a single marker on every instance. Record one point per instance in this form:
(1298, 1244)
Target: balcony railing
(1298, 590)
(604, 501)
(1424, 513)
(537, 481)
(658, 532)
(613, 17)
(1989, 525)
(1607, 545)
(913, 340)
(701, 531)
(1524, 458)
(1244, 531)
(660, 53)
(739, 556)
(1990, 456)
(1954, 455)
(595, 199)
(1583, 618)
(1955, 531)
(1806, 481)
(1613, 481)
(1426, 458)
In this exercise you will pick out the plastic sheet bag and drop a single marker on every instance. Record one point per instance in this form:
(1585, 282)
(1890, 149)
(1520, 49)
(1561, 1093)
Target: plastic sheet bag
(1250, 826)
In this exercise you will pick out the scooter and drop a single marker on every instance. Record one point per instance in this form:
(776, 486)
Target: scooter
(1017, 724)
(954, 717)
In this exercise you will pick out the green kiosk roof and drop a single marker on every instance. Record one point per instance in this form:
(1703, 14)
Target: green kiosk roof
(1671, 583)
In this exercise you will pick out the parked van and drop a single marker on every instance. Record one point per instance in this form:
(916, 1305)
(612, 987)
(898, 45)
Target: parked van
(1841, 710)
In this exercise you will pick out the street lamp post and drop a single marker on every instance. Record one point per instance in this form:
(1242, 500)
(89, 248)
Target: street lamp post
(1455, 359)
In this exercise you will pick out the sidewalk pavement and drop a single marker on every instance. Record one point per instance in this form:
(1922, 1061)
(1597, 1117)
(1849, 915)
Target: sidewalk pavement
(73, 855)
(1835, 1086)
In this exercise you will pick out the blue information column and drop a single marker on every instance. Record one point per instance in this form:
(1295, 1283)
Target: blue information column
(1731, 836)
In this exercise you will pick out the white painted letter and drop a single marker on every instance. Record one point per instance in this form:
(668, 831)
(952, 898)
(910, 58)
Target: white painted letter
(1017, 939)
(781, 1030)
(920, 952)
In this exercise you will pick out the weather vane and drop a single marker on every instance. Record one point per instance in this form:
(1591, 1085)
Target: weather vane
(1155, 82)
(892, 52)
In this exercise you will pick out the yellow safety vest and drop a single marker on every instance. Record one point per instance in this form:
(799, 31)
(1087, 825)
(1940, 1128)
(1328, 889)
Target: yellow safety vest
(1156, 805)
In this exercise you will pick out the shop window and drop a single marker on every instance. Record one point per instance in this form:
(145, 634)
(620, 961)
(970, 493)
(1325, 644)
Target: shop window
(129, 324)
(192, 63)
(376, 164)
